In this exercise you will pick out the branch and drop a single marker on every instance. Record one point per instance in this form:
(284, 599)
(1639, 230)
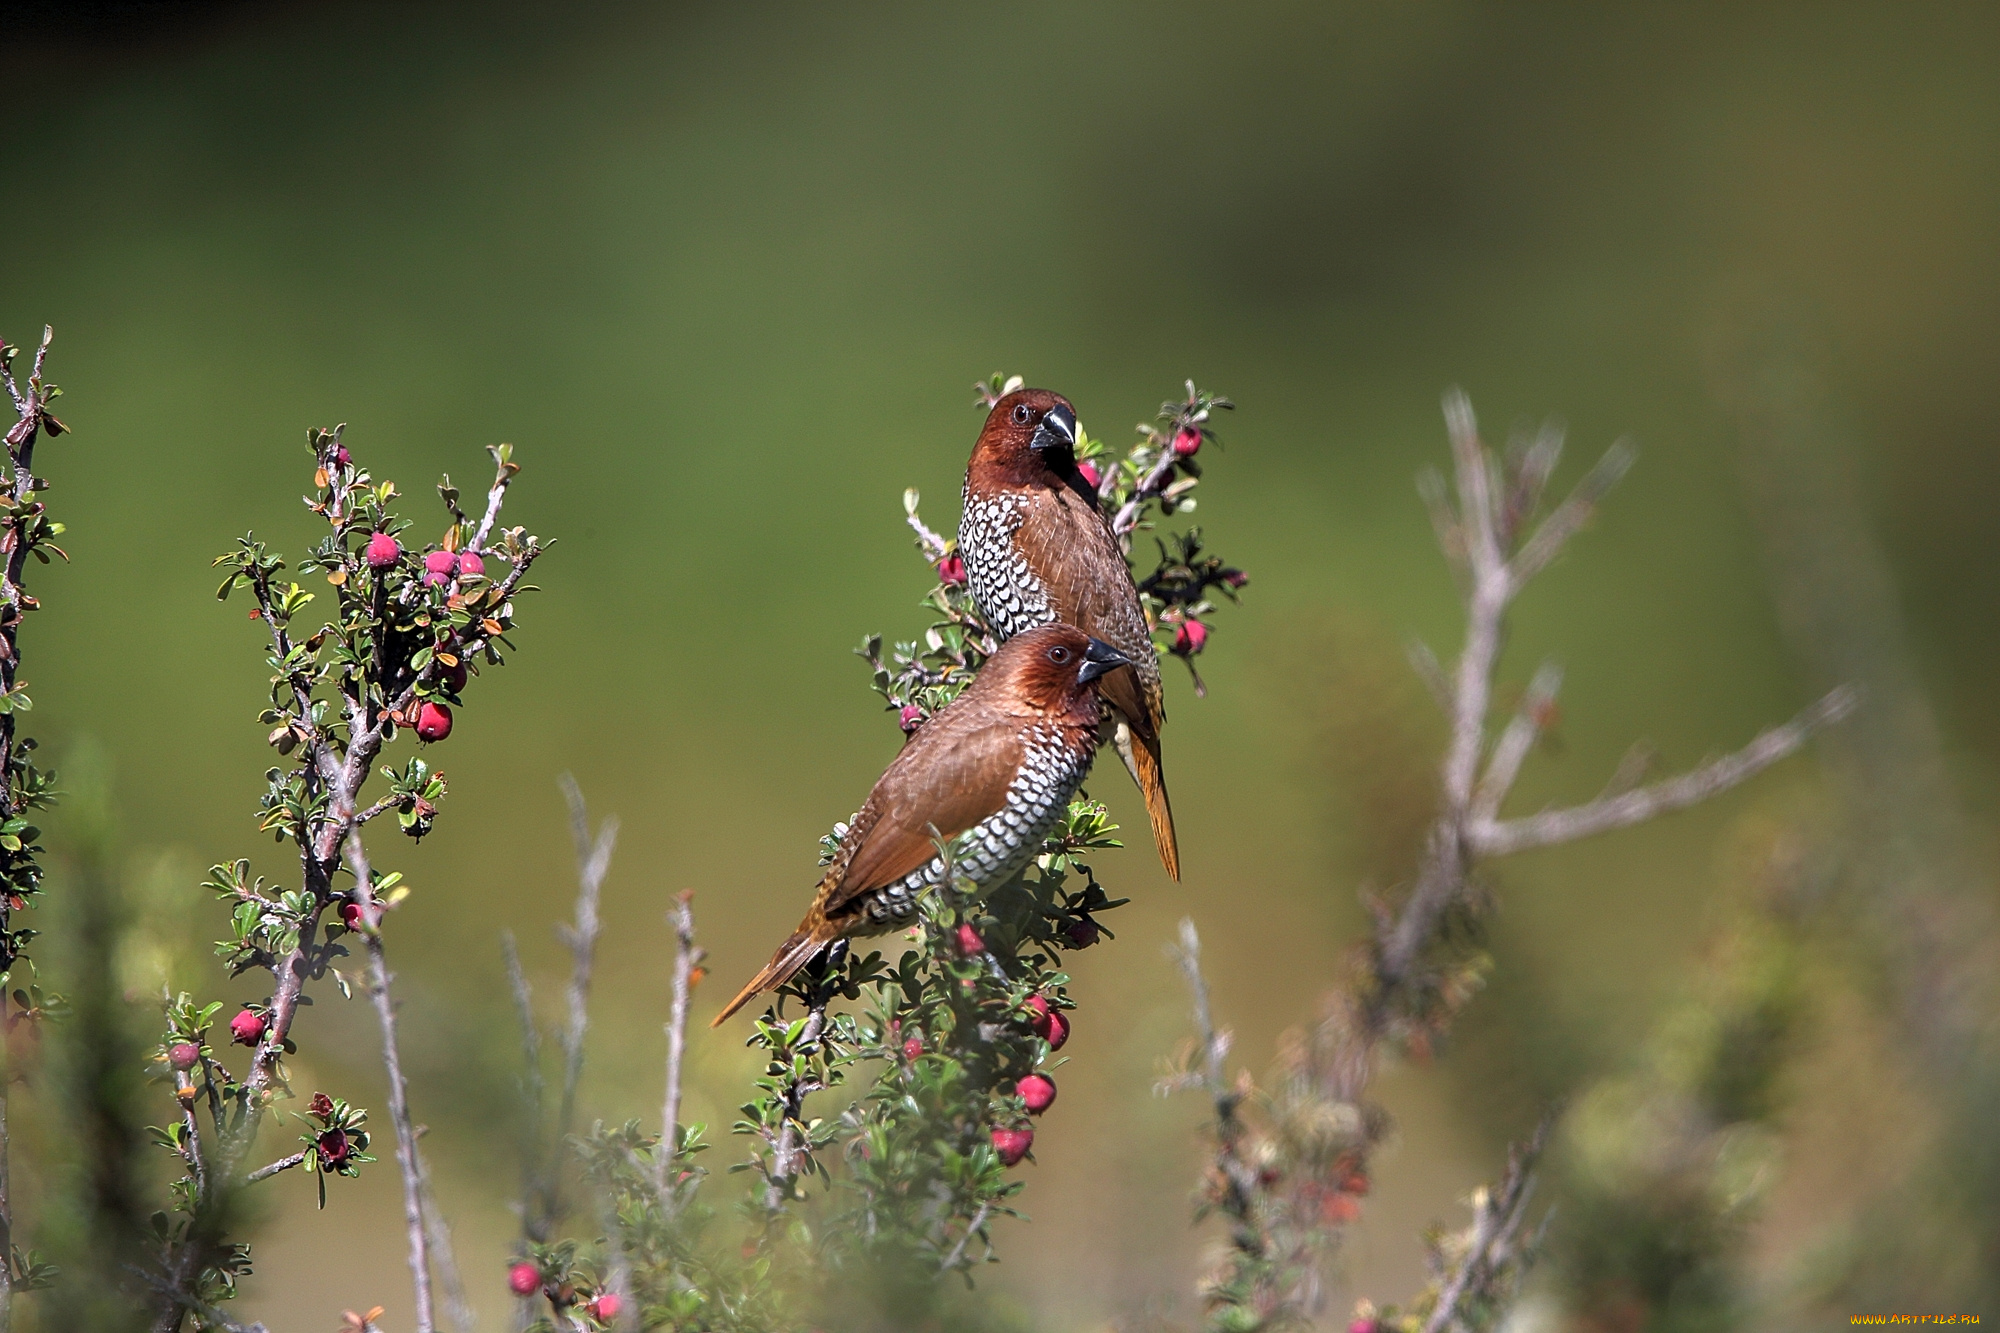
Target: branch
(785, 1153)
(971, 1230)
(1491, 1251)
(686, 958)
(282, 1164)
(399, 1107)
(1503, 837)
(1572, 513)
(503, 475)
(933, 545)
(1239, 1178)
(443, 1258)
(1505, 764)
(533, 1091)
(593, 862)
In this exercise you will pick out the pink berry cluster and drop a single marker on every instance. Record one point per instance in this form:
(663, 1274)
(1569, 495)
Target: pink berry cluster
(1037, 1091)
(445, 569)
(525, 1279)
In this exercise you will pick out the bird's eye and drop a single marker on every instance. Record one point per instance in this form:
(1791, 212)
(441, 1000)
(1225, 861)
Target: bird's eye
(1021, 414)
(1059, 655)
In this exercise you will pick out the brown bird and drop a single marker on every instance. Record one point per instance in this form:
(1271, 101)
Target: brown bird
(1038, 550)
(1001, 760)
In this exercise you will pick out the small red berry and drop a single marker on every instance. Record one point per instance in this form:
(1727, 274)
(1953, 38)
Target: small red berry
(1058, 1032)
(606, 1307)
(1013, 1144)
(341, 457)
(433, 721)
(1038, 1014)
(951, 572)
(183, 1055)
(1190, 638)
(1082, 933)
(455, 676)
(1038, 1091)
(912, 1047)
(1364, 1326)
(1187, 442)
(440, 562)
(1091, 477)
(470, 565)
(524, 1279)
(351, 915)
(1357, 1183)
(1339, 1208)
(969, 943)
(383, 551)
(321, 1105)
(247, 1028)
(910, 718)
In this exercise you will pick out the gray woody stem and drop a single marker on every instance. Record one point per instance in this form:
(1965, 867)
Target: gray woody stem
(1477, 534)
(282, 1164)
(1479, 525)
(593, 863)
(399, 1107)
(1239, 1178)
(971, 1230)
(1495, 1244)
(790, 1146)
(541, 1204)
(686, 958)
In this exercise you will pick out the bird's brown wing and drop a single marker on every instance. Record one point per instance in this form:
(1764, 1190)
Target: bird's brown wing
(954, 772)
(1068, 543)
(1070, 546)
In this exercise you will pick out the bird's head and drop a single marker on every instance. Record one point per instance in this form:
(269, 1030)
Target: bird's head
(1054, 669)
(1029, 434)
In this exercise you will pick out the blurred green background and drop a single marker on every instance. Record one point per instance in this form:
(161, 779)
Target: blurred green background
(724, 275)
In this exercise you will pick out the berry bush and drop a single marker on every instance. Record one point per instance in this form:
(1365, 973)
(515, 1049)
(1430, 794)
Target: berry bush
(902, 1087)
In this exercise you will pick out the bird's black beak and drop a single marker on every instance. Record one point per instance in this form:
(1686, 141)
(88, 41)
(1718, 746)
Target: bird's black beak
(1057, 431)
(1100, 659)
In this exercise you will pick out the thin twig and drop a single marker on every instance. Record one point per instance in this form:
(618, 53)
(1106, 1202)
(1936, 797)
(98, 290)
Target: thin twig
(1572, 513)
(971, 1230)
(686, 958)
(1505, 764)
(444, 1258)
(1504, 837)
(593, 862)
(1239, 1178)
(933, 545)
(534, 1216)
(1497, 1218)
(503, 475)
(399, 1107)
(790, 1147)
(282, 1164)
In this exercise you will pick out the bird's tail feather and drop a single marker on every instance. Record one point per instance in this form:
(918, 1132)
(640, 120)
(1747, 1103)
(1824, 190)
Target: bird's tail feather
(813, 934)
(1142, 760)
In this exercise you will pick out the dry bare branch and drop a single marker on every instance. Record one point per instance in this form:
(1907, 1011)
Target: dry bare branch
(399, 1104)
(686, 958)
(1529, 719)
(1505, 837)
(1572, 513)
